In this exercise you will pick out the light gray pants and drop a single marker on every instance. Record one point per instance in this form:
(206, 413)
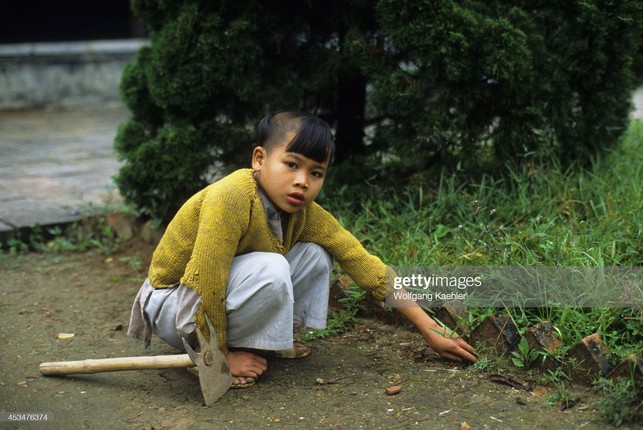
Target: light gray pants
(266, 296)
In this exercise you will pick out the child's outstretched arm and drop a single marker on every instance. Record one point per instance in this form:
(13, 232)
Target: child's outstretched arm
(446, 343)
(371, 274)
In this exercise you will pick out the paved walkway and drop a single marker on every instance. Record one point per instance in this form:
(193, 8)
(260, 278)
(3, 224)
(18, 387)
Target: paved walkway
(56, 166)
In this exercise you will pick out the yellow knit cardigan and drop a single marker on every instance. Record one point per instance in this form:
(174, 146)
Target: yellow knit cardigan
(226, 219)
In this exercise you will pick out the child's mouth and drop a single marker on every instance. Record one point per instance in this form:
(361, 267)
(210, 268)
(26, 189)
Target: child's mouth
(296, 199)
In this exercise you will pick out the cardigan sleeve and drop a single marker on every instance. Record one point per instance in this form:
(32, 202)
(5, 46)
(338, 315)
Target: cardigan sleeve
(367, 270)
(222, 222)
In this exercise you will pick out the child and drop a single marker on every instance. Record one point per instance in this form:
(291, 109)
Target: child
(253, 252)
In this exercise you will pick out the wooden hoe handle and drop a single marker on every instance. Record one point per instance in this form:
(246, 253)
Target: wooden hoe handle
(116, 364)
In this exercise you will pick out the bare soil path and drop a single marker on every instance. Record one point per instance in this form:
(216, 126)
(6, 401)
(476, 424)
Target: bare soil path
(341, 385)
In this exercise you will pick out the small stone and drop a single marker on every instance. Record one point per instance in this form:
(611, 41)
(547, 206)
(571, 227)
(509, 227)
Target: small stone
(539, 390)
(395, 389)
(65, 335)
(464, 426)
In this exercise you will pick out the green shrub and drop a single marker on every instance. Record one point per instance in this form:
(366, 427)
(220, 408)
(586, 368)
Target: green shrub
(409, 86)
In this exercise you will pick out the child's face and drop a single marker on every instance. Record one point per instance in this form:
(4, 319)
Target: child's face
(290, 180)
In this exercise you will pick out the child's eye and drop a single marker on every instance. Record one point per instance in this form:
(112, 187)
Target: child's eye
(318, 174)
(291, 165)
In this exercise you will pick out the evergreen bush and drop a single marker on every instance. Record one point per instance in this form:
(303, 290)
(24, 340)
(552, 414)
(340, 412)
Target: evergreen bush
(417, 82)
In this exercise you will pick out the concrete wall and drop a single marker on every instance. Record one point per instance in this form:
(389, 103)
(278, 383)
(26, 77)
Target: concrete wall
(63, 74)
(87, 73)
(638, 104)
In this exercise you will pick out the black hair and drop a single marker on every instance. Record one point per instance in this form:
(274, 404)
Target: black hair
(313, 136)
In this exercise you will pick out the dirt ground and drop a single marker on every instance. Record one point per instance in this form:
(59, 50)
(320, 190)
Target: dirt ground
(341, 385)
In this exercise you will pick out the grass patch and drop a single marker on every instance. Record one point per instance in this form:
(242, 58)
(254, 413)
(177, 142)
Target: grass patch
(541, 215)
(619, 402)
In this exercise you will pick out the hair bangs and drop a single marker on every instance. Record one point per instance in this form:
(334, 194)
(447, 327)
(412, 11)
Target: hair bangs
(314, 140)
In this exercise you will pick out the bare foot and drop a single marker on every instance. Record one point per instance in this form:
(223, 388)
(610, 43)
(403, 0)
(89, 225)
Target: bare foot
(242, 382)
(246, 365)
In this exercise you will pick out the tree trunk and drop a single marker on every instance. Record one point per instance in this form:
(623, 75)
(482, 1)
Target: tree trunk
(349, 136)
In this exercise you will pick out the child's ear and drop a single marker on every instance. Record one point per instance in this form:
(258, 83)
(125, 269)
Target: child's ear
(258, 158)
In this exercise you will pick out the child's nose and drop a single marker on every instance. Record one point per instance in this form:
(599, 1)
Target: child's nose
(301, 180)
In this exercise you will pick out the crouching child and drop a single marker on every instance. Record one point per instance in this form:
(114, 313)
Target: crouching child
(254, 252)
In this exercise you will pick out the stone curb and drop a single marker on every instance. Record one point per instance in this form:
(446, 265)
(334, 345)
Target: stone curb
(454, 314)
(584, 362)
(631, 367)
(543, 337)
(496, 331)
(588, 359)
(126, 226)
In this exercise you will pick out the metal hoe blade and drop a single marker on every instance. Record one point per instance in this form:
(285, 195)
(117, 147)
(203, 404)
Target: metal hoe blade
(214, 373)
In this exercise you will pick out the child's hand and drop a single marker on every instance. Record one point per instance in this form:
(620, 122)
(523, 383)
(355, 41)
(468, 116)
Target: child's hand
(449, 345)
(445, 342)
(244, 365)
